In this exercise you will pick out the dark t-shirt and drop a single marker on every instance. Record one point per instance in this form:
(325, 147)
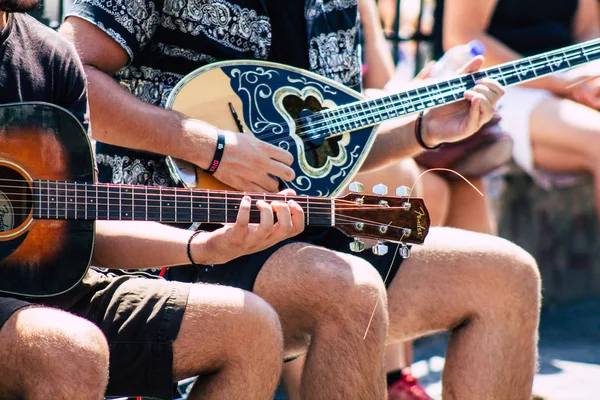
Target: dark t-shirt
(37, 64)
(527, 26)
(288, 43)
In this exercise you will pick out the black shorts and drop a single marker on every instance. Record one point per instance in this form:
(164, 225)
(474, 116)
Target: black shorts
(140, 316)
(242, 272)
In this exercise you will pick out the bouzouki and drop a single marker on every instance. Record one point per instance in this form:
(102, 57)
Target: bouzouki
(49, 202)
(327, 127)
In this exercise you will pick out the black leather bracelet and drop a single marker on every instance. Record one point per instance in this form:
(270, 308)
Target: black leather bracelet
(189, 247)
(214, 164)
(418, 134)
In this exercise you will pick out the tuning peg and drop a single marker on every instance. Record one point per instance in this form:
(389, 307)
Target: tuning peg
(402, 191)
(380, 249)
(356, 187)
(380, 190)
(404, 250)
(357, 246)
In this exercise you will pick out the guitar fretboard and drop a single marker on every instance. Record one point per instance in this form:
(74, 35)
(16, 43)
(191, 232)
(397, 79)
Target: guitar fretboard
(367, 113)
(84, 201)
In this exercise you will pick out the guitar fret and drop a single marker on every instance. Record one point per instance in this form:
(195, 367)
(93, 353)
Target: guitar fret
(208, 206)
(79, 196)
(86, 202)
(175, 201)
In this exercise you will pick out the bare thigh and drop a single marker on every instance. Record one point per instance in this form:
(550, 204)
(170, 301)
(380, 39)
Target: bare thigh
(565, 136)
(454, 276)
(310, 285)
(34, 345)
(219, 324)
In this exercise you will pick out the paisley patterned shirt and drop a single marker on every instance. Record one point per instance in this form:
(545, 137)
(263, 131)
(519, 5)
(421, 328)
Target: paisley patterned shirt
(167, 39)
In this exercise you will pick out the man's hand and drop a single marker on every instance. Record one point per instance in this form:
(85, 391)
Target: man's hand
(243, 238)
(248, 164)
(460, 120)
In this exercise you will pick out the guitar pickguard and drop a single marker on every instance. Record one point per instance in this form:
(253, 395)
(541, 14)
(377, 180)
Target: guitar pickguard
(274, 97)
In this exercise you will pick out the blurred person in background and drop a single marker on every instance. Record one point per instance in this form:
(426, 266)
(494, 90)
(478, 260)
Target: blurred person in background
(554, 121)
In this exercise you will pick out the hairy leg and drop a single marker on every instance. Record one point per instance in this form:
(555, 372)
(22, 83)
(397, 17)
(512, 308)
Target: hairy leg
(324, 300)
(50, 354)
(468, 209)
(484, 289)
(233, 340)
(437, 195)
(565, 137)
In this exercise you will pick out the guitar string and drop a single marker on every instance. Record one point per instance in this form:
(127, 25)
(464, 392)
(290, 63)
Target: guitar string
(179, 193)
(346, 219)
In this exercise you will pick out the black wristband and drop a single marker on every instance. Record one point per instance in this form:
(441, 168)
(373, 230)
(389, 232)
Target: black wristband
(189, 247)
(214, 164)
(418, 134)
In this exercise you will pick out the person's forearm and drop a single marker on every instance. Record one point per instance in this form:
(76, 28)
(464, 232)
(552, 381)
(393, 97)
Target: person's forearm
(380, 65)
(142, 245)
(118, 117)
(498, 53)
(395, 141)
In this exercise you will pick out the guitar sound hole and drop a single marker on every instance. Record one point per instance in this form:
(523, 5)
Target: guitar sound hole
(317, 150)
(15, 199)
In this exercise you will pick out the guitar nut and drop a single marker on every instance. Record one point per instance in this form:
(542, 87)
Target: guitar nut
(406, 206)
(359, 226)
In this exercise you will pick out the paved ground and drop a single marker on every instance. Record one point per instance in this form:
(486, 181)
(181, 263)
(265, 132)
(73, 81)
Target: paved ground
(569, 354)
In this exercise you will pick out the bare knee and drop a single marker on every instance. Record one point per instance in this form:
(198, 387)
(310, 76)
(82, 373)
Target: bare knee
(346, 291)
(236, 328)
(515, 277)
(262, 328)
(57, 355)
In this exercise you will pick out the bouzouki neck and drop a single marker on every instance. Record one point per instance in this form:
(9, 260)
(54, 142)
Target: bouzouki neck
(366, 113)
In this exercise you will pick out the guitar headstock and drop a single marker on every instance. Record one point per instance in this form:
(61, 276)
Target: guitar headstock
(400, 218)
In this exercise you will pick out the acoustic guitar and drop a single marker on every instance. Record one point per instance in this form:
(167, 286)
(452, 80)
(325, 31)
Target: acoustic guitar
(49, 203)
(328, 128)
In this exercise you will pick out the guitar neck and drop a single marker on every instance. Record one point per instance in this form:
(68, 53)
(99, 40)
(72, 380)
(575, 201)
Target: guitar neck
(69, 200)
(367, 113)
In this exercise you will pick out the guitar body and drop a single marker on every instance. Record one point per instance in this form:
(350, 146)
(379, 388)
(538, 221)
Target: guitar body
(267, 99)
(41, 257)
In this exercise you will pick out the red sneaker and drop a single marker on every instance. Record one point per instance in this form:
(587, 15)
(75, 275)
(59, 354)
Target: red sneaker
(407, 388)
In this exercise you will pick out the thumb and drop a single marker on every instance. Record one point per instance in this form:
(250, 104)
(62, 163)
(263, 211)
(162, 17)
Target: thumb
(471, 66)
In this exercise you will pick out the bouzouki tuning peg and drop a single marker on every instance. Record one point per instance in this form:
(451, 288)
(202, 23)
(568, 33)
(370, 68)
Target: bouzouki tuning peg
(380, 190)
(356, 187)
